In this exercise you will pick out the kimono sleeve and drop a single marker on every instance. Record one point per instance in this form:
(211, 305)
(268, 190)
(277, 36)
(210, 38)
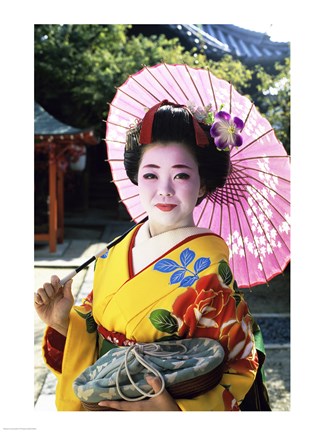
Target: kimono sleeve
(53, 349)
(80, 351)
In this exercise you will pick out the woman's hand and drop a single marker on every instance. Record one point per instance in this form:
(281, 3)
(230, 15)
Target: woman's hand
(163, 402)
(53, 303)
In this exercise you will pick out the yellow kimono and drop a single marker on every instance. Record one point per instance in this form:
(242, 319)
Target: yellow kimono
(182, 287)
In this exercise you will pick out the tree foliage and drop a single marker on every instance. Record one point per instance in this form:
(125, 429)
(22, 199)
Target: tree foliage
(78, 67)
(273, 98)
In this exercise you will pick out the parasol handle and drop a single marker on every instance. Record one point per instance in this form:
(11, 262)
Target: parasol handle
(84, 265)
(94, 257)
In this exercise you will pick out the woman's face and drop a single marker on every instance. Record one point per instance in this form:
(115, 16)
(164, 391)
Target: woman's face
(169, 186)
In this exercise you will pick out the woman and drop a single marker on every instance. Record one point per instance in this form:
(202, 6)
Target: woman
(164, 268)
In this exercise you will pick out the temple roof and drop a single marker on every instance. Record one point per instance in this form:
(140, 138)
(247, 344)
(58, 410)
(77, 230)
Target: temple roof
(47, 128)
(218, 39)
(46, 124)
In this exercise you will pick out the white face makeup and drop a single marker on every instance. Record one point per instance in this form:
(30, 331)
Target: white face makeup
(169, 186)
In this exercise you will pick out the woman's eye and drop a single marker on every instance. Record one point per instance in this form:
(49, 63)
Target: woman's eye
(182, 176)
(149, 176)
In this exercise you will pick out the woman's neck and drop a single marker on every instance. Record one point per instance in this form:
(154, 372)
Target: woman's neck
(157, 229)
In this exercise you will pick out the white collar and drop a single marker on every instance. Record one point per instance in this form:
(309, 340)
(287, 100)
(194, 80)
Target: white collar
(147, 248)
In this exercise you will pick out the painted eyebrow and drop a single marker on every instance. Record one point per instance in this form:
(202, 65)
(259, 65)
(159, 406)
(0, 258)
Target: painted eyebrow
(173, 166)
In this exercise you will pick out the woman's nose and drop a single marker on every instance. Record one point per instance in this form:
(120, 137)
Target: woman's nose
(166, 189)
(165, 194)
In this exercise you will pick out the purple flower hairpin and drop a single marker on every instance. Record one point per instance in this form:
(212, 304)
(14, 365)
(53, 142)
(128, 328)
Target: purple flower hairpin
(226, 131)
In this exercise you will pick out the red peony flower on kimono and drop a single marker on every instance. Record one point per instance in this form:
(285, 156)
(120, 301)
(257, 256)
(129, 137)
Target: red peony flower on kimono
(211, 311)
(199, 308)
(239, 340)
(230, 402)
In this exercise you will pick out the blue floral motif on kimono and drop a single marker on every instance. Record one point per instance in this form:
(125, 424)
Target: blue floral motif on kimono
(180, 271)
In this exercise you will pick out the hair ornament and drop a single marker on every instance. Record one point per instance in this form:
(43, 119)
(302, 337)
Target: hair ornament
(225, 129)
(147, 123)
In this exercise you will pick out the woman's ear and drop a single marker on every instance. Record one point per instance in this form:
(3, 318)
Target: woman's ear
(202, 191)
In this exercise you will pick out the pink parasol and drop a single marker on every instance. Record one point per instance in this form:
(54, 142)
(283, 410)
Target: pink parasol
(252, 211)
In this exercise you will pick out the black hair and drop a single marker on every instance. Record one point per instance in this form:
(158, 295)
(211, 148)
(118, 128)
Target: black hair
(172, 123)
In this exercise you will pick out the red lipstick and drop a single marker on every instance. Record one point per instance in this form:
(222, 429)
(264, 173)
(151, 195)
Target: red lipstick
(165, 207)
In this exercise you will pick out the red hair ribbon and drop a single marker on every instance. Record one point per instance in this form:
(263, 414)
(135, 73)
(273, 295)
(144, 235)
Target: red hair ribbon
(147, 123)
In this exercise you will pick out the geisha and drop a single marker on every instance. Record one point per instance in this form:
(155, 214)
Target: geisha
(165, 270)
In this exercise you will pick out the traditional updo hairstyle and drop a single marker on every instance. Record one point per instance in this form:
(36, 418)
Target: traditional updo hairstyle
(175, 123)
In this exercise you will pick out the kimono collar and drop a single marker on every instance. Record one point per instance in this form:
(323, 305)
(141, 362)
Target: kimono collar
(147, 248)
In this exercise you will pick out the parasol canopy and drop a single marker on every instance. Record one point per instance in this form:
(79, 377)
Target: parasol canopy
(252, 211)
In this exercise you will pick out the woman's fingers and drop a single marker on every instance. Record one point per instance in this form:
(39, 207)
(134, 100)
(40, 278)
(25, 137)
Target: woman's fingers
(45, 294)
(162, 402)
(42, 297)
(49, 289)
(41, 292)
(37, 299)
(154, 382)
(67, 290)
(55, 282)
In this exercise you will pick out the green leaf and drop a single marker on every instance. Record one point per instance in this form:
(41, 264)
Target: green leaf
(105, 347)
(169, 338)
(237, 294)
(225, 272)
(163, 321)
(91, 324)
(83, 315)
(210, 118)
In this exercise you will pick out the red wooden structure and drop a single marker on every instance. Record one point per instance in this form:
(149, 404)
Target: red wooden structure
(61, 145)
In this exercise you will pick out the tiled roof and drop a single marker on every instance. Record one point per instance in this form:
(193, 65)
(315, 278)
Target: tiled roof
(45, 124)
(218, 39)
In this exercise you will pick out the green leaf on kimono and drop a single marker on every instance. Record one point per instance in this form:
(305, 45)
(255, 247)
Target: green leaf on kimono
(225, 272)
(163, 321)
(106, 346)
(237, 294)
(169, 338)
(82, 315)
(91, 324)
